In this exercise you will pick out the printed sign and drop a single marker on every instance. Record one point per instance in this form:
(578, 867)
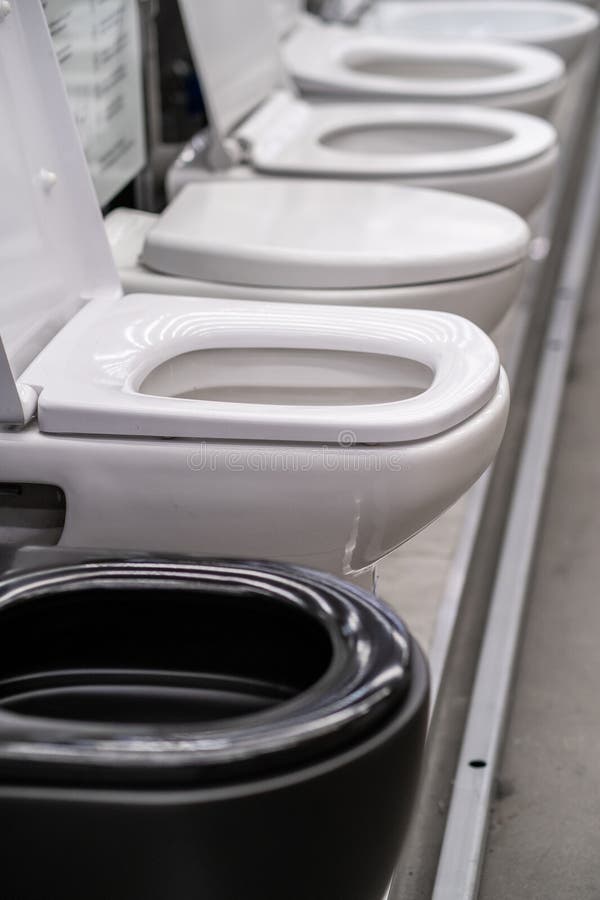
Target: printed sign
(98, 46)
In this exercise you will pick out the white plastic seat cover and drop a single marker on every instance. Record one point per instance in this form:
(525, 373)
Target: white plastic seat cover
(330, 234)
(90, 375)
(411, 141)
(340, 58)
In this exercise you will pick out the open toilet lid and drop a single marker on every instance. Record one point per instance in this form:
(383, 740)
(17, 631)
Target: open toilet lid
(54, 255)
(236, 55)
(330, 234)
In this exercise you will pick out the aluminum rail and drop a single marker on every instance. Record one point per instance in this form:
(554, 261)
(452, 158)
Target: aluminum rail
(460, 863)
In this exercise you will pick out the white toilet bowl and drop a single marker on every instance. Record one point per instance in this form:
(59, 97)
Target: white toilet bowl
(209, 426)
(258, 125)
(332, 242)
(563, 28)
(286, 440)
(333, 61)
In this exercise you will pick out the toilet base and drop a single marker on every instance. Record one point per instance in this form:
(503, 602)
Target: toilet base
(51, 828)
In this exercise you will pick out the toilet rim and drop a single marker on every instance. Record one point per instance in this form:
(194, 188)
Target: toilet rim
(89, 377)
(356, 695)
(576, 19)
(323, 56)
(523, 138)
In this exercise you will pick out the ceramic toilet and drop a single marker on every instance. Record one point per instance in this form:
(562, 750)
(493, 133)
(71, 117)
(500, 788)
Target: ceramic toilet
(186, 424)
(93, 384)
(258, 126)
(408, 248)
(215, 729)
(563, 28)
(334, 61)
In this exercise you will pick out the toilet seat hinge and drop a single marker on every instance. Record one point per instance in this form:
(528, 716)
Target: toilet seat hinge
(226, 154)
(18, 401)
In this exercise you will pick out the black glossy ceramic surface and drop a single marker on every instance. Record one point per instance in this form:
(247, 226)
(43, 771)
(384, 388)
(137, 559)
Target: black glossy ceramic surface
(202, 730)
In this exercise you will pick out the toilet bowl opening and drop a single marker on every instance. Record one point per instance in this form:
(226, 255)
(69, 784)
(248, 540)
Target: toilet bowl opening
(403, 67)
(412, 138)
(288, 376)
(134, 654)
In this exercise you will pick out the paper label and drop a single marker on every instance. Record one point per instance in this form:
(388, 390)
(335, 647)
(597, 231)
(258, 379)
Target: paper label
(98, 46)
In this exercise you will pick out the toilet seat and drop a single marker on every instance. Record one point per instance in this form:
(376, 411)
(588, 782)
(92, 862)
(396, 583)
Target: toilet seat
(241, 232)
(303, 140)
(553, 25)
(336, 60)
(89, 378)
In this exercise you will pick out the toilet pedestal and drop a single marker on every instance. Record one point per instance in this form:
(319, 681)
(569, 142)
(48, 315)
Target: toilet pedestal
(280, 802)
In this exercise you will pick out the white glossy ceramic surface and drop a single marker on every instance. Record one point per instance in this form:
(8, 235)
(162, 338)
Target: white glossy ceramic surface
(339, 509)
(563, 28)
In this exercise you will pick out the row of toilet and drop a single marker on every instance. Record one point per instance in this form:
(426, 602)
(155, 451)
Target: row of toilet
(302, 199)
(289, 363)
(401, 125)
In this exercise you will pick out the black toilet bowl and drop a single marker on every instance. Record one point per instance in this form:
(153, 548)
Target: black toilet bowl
(203, 731)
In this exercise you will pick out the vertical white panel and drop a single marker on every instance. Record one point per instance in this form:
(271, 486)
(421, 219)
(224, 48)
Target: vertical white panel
(98, 47)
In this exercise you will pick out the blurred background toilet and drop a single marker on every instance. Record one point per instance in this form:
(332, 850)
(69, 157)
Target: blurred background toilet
(563, 28)
(334, 61)
(259, 126)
